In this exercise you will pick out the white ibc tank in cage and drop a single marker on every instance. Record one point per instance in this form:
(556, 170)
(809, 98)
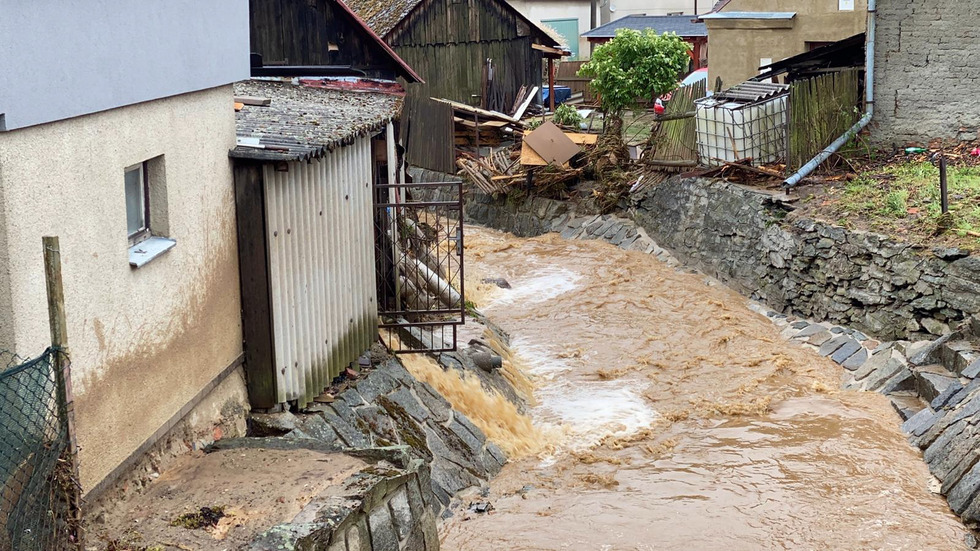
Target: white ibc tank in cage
(745, 122)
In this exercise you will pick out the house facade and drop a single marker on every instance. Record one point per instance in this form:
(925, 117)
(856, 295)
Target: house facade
(567, 18)
(118, 145)
(748, 34)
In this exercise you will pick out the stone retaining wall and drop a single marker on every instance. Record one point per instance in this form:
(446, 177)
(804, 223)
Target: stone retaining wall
(865, 280)
(384, 507)
(389, 407)
(886, 288)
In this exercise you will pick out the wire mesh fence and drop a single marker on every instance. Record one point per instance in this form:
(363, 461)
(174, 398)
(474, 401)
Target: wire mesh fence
(37, 503)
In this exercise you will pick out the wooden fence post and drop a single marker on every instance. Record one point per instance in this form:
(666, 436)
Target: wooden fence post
(61, 364)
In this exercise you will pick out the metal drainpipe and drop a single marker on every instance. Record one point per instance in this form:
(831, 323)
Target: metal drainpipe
(869, 86)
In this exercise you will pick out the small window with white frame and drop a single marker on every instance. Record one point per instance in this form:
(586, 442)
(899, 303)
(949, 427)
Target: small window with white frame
(137, 203)
(147, 213)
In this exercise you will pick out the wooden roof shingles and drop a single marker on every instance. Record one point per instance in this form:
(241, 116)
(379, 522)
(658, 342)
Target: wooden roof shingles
(304, 122)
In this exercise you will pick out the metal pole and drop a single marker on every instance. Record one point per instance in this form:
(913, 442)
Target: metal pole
(61, 362)
(943, 187)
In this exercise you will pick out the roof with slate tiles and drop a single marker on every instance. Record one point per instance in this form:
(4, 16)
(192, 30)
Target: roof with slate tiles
(304, 122)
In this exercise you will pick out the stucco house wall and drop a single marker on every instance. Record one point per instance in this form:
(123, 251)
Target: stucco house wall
(144, 341)
(738, 45)
(926, 53)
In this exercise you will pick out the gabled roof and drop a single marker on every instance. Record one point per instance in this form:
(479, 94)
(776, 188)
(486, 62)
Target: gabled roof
(384, 15)
(410, 74)
(683, 25)
(305, 122)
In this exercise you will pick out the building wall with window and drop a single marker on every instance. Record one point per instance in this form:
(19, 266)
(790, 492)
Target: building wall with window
(145, 341)
(739, 46)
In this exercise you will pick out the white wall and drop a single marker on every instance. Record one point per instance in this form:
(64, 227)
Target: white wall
(64, 58)
(652, 7)
(144, 341)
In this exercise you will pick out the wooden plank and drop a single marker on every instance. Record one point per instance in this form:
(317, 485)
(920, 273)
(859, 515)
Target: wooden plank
(61, 362)
(253, 263)
(487, 124)
(482, 112)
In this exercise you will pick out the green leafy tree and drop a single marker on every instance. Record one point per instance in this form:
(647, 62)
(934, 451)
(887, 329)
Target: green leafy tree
(633, 66)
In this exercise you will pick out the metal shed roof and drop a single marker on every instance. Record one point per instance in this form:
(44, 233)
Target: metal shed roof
(304, 122)
(775, 15)
(682, 25)
(751, 92)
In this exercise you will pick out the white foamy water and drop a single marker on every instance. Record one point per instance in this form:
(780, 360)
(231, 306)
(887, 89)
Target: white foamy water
(590, 413)
(585, 412)
(538, 285)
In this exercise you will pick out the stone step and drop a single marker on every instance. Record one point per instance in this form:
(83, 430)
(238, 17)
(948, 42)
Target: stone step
(906, 404)
(926, 352)
(932, 380)
(958, 355)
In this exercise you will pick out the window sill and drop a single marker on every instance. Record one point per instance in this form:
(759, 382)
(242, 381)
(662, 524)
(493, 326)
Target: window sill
(143, 252)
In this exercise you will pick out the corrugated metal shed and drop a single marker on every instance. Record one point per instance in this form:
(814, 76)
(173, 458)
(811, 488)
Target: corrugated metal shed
(320, 230)
(304, 197)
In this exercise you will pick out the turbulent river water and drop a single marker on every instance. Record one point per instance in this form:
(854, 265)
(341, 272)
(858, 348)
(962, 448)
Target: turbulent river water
(665, 414)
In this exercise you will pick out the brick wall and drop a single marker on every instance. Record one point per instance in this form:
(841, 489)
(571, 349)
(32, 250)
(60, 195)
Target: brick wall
(927, 63)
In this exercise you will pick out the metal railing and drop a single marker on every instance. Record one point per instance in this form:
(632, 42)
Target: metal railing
(420, 265)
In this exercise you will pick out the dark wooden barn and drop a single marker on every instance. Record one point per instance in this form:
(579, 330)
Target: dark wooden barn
(448, 42)
(318, 38)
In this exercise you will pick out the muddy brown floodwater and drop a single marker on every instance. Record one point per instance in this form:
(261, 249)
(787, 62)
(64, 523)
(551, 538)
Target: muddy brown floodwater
(671, 416)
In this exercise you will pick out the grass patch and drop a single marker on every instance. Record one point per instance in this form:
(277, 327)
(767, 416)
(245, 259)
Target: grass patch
(904, 199)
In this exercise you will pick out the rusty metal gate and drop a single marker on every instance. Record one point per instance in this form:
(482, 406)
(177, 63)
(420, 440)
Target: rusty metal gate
(419, 262)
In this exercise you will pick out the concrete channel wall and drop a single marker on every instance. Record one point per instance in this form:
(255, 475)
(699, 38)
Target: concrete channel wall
(385, 507)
